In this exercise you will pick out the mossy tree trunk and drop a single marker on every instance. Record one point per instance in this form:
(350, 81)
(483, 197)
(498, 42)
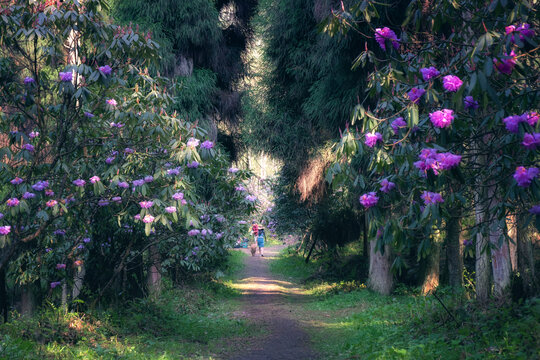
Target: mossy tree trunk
(454, 253)
(431, 279)
(525, 258)
(381, 279)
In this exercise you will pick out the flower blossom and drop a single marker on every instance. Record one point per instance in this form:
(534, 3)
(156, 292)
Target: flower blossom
(66, 76)
(40, 185)
(251, 198)
(55, 284)
(194, 232)
(233, 170)
(178, 196)
(193, 165)
(381, 35)
(531, 117)
(531, 141)
(129, 151)
(59, 232)
(29, 80)
(28, 147)
(88, 114)
(103, 202)
(33, 134)
(116, 125)
(397, 124)
(452, 83)
(148, 219)
(49, 192)
(192, 142)
(146, 204)
(110, 160)
(139, 182)
(94, 179)
(12, 202)
(51, 203)
(4, 230)
(373, 138)
(522, 31)
(534, 210)
(60, 266)
(117, 199)
(507, 64)
(207, 144)
(470, 103)
(369, 200)
(415, 94)
(111, 102)
(137, 217)
(431, 159)
(429, 73)
(16, 181)
(386, 186)
(148, 178)
(512, 122)
(173, 172)
(442, 118)
(106, 70)
(431, 197)
(524, 176)
(240, 188)
(123, 184)
(29, 195)
(170, 209)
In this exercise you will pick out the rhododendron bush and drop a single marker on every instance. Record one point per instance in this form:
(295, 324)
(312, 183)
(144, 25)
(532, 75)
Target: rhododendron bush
(453, 98)
(95, 171)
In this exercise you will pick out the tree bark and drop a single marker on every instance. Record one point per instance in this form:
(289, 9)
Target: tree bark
(454, 253)
(154, 273)
(78, 279)
(525, 258)
(511, 225)
(431, 280)
(482, 268)
(381, 279)
(3, 295)
(27, 300)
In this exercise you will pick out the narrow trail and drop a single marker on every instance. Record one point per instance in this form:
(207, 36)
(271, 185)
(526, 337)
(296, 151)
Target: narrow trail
(266, 304)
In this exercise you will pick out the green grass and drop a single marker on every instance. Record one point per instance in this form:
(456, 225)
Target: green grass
(347, 321)
(192, 322)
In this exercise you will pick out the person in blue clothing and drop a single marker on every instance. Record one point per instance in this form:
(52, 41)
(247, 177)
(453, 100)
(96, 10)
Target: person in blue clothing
(260, 240)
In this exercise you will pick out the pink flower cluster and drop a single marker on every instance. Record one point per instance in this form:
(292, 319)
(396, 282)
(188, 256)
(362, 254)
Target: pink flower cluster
(373, 138)
(4, 230)
(192, 142)
(524, 176)
(369, 200)
(429, 73)
(522, 31)
(381, 35)
(12, 202)
(512, 122)
(431, 159)
(452, 83)
(146, 204)
(397, 124)
(431, 197)
(531, 141)
(442, 118)
(16, 181)
(507, 64)
(387, 186)
(148, 219)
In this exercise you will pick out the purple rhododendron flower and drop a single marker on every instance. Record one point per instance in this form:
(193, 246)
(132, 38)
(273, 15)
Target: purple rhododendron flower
(29, 195)
(369, 200)
(1, 216)
(233, 170)
(55, 284)
(415, 94)
(117, 199)
(219, 236)
(59, 232)
(40, 185)
(398, 124)
(106, 70)
(29, 80)
(522, 31)
(148, 178)
(94, 179)
(470, 103)
(193, 165)
(386, 186)
(524, 176)
(178, 196)
(240, 188)
(116, 125)
(16, 181)
(507, 64)
(88, 114)
(49, 192)
(28, 147)
(33, 134)
(146, 204)
(467, 242)
(4, 230)
(129, 151)
(442, 118)
(170, 209)
(60, 266)
(372, 138)
(429, 73)
(123, 184)
(66, 76)
(103, 202)
(431, 159)
(110, 160)
(173, 172)
(137, 217)
(192, 142)
(531, 117)
(431, 197)
(251, 198)
(111, 102)
(381, 35)
(452, 83)
(512, 122)
(194, 232)
(148, 219)
(534, 210)
(79, 182)
(139, 182)
(207, 144)
(51, 203)
(12, 202)
(531, 141)
(86, 240)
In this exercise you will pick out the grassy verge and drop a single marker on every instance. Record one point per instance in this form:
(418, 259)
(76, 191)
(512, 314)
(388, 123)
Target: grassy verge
(192, 322)
(347, 321)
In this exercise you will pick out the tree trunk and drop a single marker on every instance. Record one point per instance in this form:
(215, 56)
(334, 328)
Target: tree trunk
(454, 254)
(27, 300)
(365, 252)
(380, 278)
(500, 254)
(3, 295)
(78, 279)
(482, 268)
(431, 280)
(511, 225)
(525, 258)
(154, 273)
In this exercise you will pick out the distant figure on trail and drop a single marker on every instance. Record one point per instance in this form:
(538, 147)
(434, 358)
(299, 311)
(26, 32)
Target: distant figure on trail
(260, 240)
(254, 229)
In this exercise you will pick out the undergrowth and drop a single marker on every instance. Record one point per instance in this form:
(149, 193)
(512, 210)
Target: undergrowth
(348, 321)
(188, 322)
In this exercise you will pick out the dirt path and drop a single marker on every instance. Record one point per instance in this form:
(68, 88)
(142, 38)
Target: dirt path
(265, 303)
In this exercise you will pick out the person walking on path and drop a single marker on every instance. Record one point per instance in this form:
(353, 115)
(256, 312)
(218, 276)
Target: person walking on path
(260, 240)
